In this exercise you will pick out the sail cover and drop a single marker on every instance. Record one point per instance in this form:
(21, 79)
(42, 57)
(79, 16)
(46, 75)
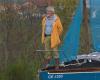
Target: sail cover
(70, 46)
(95, 23)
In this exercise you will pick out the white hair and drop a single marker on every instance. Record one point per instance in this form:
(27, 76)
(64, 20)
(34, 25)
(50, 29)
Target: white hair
(50, 8)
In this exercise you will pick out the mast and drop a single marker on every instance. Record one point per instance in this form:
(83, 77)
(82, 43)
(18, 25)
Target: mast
(86, 34)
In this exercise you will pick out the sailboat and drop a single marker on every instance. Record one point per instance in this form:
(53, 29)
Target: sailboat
(74, 66)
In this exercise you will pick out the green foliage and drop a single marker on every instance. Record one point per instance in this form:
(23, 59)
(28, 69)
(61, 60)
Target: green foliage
(21, 70)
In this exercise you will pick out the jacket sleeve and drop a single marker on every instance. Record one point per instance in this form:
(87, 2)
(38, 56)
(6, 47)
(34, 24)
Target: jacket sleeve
(43, 37)
(59, 26)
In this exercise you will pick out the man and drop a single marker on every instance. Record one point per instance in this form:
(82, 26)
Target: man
(51, 31)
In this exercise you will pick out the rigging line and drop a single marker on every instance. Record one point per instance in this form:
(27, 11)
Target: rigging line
(48, 50)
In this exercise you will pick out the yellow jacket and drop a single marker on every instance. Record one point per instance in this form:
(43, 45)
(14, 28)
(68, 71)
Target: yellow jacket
(57, 30)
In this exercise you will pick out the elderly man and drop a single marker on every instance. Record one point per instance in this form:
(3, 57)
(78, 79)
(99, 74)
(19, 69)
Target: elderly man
(51, 31)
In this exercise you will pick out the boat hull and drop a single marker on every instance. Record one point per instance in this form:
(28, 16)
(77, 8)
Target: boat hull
(43, 75)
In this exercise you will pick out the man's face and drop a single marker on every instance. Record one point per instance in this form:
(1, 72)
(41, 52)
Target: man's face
(50, 13)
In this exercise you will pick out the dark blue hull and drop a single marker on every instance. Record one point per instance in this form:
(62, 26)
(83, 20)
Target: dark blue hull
(43, 75)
